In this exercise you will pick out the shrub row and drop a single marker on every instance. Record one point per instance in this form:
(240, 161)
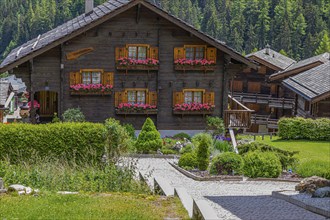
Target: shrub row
(74, 141)
(300, 128)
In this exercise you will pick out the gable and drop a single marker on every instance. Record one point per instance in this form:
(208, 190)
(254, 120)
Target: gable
(100, 14)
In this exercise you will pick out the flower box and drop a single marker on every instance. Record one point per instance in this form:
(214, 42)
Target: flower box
(136, 109)
(125, 63)
(137, 67)
(91, 89)
(193, 109)
(194, 68)
(177, 112)
(200, 65)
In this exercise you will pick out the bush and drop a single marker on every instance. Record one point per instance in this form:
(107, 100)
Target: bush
(314, 168)
(117, 140)
(182, 136)
(73, 115)
(75, 141)
(187, 149)
(300, 128)
(227, 163)
(149, 139)
(188, 161)
(130, 130)
(287, 158)
(166, 151)
(262, 164)
(196, 139)
(216, 125)
(203, 152)
(222, 146)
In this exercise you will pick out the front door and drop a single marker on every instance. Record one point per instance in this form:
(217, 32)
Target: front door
(48, 103)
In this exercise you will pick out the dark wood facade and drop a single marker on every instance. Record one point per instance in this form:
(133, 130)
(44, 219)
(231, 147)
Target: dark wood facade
(96, 49)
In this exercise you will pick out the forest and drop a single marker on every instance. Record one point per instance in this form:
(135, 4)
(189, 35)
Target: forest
(297, 28)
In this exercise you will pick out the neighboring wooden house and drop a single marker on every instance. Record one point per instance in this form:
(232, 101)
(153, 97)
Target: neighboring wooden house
(312, 89)
(129, 60)
(270, 101)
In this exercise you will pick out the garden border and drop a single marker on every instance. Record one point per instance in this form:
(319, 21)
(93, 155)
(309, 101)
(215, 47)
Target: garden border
(213, 178)
(161, 156)
(273, 179)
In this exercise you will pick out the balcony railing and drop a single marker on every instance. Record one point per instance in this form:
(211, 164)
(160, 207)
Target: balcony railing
(264, 120)
(284, 103)
(239, 116)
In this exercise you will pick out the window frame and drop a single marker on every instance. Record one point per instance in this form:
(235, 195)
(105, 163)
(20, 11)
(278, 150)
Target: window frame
(91, 71)
(194, 51)
(193, 91)
(147, 46)
(136, 96)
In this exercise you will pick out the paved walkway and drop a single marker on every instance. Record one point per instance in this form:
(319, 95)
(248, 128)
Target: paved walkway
(231, 200)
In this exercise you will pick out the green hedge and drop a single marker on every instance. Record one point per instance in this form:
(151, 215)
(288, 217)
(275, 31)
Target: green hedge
(75, 141)
(301, 128)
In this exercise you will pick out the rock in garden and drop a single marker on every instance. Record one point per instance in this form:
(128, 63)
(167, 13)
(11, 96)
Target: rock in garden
(322, 192)
(16, 187)
(311, 184)
(67, 193)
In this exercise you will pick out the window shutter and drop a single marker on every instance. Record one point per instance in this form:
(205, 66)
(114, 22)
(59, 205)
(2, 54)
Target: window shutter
(179, 53)
(120, 97)
(211, 54)
(177, 98)
(153, 53)
(107, 78)
(75, 78)
(209, 98)
(120, 52)
(153, 98)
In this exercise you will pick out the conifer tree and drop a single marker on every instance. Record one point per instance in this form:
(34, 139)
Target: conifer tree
(149, 139)
(324, 45)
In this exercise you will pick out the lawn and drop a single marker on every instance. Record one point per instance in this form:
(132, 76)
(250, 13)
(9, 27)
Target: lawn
(308, 150)
(90, 206)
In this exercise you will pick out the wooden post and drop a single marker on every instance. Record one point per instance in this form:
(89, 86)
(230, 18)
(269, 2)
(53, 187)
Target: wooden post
(32, 109)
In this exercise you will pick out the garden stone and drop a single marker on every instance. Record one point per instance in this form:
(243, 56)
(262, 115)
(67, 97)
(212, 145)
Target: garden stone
(3, 191)
(311, 184)
(28, 190)
(1, 183)
(322, 192)
(16, 187)
(66, 193)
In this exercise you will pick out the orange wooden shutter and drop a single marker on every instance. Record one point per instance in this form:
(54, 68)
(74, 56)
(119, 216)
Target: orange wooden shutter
(152, 98)
(209, 98)
(120, 97)
(177, 98)
(107, 78)
(237, 86)
(75, 78)
(153, 53)
(179, 53)
(211, 54)
(254, 87)
(120, 52)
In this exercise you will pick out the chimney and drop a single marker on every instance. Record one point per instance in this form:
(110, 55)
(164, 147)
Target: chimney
(267, 49)
(89, 5)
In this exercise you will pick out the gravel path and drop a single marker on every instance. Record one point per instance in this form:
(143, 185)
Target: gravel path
(231, 200)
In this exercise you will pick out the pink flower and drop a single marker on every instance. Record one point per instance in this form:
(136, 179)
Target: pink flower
(193, 107)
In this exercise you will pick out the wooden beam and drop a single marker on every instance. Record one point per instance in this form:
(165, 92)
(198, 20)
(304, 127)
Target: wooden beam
(32, 110)
(138, 13)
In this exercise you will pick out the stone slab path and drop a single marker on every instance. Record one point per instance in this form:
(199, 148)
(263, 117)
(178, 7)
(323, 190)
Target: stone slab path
(231, 200)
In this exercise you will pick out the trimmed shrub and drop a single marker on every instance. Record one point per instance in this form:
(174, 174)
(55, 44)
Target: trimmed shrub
(117, 140)
(287, 158)
(227, 163)
(301, 128)
(262, 164)
(182, 136)
(75, 141)
(196, 139)
(188, 161)
(167, 151)
(203, 152)
(130, 130)
(187, 149)
(149, 139)
(73, 115)
(222, 146)
(314, 168)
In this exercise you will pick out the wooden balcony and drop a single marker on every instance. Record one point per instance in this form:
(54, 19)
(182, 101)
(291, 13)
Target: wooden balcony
(239, 116)
(264, 120)
(284, 103)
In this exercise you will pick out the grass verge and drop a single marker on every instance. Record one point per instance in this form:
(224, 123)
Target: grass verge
(91, 206)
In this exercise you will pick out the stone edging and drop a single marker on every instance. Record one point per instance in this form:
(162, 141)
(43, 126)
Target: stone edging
(278, 195)
(211, 178)
(170, 156)
(273, 180)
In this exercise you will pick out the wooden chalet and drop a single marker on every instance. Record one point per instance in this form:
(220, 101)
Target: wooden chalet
(269, 100)
(129, 60)
(312, 89)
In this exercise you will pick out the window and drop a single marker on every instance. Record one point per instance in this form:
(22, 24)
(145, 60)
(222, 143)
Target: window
(91, 77)
(137, 52)
(195, 52)
(193, 97)
(136, 97)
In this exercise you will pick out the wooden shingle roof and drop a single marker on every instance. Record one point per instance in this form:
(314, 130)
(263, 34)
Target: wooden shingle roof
(312, 83)
(99, 15)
